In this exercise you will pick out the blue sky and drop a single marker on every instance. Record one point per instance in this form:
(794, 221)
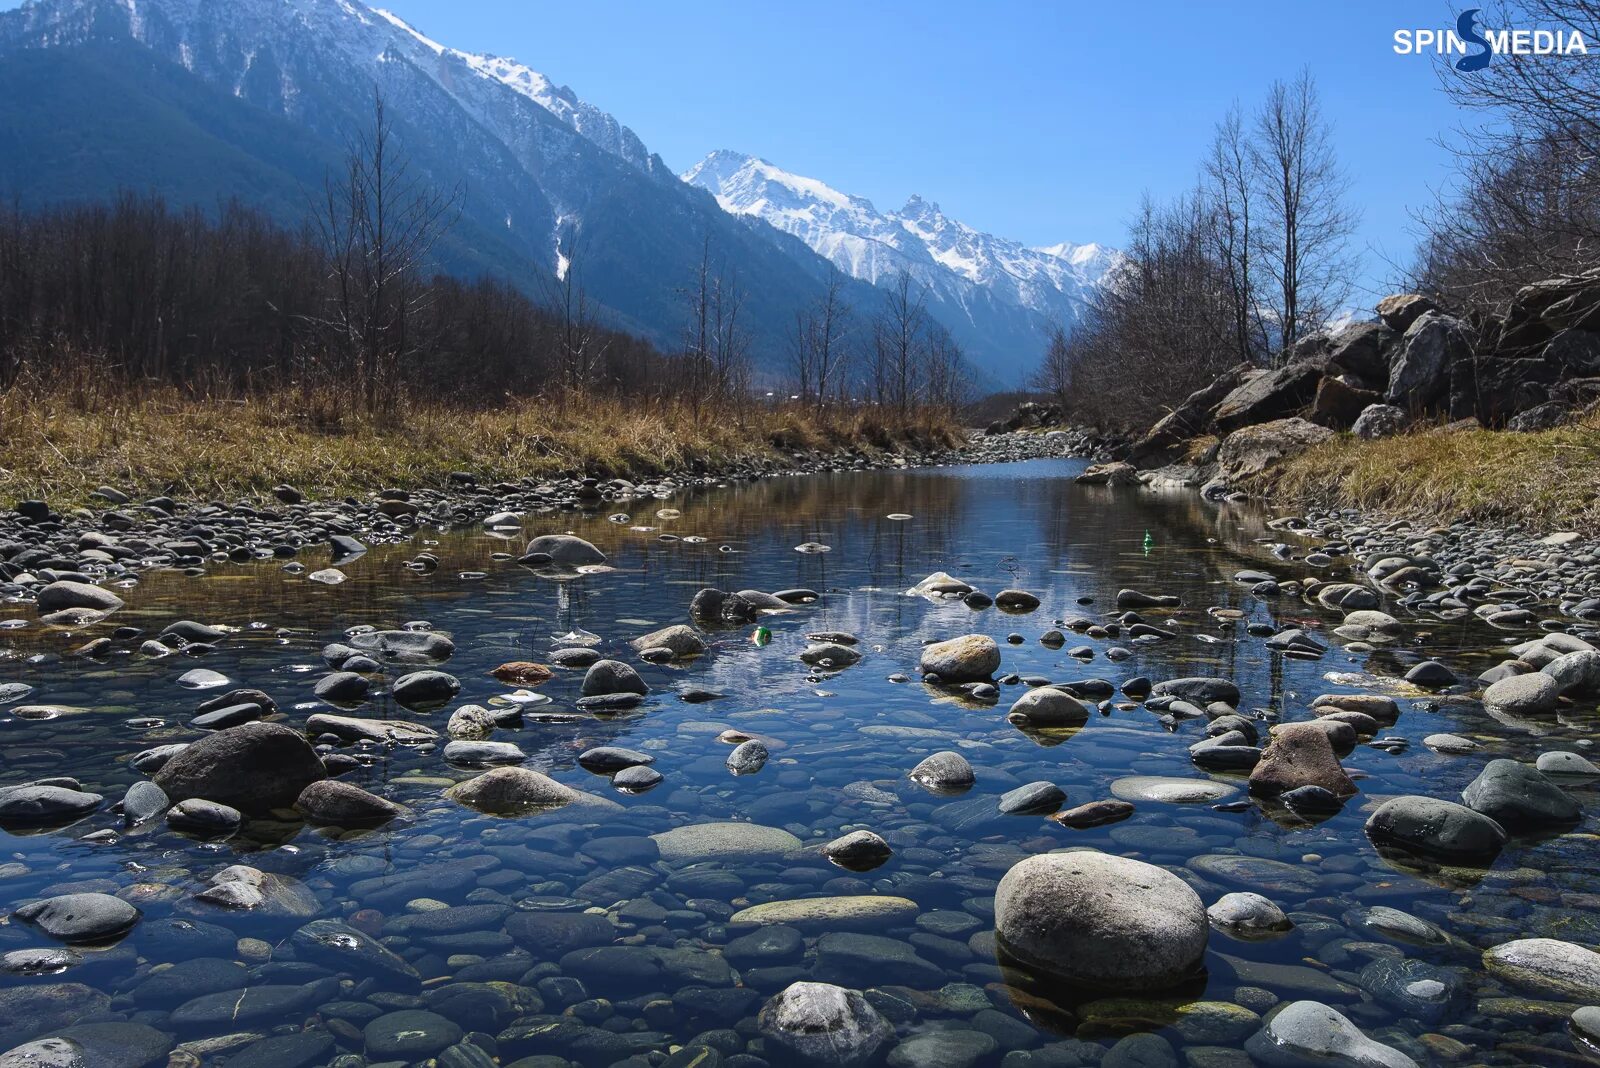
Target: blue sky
(1041, 120)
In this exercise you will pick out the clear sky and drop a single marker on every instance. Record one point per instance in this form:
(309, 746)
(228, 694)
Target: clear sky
(1041, 120)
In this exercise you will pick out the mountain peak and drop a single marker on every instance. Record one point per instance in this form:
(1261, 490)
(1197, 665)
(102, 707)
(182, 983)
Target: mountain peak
(986, 288)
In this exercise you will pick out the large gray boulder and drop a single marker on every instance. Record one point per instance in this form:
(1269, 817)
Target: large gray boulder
(424, 689)
(1046, 706)
(1399, 310)
(1437, 829)
(1519, 798)
(566, 550)
(1309, 1034)
(1419, 370)
(1361, 349)
(1523, 695)
(684, 641)
(818, 1023)
(969, 658)
(80, 919)
(65, 594)
(1251, 450)
(254, 768)
(606, 677)
(405, 646)
(1379, 421)
(1576, 672)
(944, 772)
(1547, 967)
(1167, 440)
(514, 791)
(1101, 921)
(333, 802)
(1276, 394)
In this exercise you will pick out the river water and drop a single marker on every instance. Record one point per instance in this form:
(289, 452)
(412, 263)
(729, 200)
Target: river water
(841, 743)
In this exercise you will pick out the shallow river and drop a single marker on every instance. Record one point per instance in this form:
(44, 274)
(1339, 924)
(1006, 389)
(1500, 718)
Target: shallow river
(841, 743)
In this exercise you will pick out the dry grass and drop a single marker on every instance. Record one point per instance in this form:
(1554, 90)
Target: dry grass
(1548, 480)
(61, 445)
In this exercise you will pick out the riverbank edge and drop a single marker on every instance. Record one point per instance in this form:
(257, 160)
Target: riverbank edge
(74, 451)
(457, 473)
(1545, 480)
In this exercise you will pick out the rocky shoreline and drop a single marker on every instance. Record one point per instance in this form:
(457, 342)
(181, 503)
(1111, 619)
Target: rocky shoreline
(39, 544)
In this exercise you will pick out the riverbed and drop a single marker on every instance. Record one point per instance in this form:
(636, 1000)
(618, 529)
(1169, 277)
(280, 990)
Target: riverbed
(599, 933)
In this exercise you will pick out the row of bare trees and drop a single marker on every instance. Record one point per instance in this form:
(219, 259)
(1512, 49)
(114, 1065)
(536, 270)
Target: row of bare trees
(1238, 270)
(230, 302)
(895, 355)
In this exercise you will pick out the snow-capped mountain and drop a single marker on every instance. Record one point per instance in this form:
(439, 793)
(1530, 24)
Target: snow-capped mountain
(981, 286)
(202, 100)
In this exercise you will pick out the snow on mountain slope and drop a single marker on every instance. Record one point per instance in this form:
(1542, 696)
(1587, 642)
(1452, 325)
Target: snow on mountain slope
(955, 262)
(595, 125)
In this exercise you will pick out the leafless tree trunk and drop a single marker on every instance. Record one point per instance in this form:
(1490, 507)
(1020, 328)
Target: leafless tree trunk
(1307, 225)
(378, 223)
(1232, 175)
(580, 344)
(902, 341)
(730, 340)
(1054, 374)
(818, 345)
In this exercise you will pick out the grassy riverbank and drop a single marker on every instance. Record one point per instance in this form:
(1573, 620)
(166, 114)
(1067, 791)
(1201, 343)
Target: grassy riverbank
(61, 447)
(1545, 480)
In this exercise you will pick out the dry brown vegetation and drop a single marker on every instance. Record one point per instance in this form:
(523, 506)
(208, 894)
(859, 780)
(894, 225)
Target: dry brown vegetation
(1547, 480)
(62, 443)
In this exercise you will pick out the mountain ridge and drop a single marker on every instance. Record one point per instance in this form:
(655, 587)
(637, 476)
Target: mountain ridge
(958, 264)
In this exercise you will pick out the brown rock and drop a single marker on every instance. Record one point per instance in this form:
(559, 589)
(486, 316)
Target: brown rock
(1383, 709)
(523, 673)
(1338, 403)
(1095, 813)
(1111, 474)
(1299, 754)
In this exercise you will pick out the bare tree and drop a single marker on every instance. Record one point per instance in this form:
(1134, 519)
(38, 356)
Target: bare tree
(1159, 329)
(818, 343)
(1537, 94)
(1054, 374)
(378, 223)
(1232, 175)
(580, 343)
(697, 330)
(900, 341)
(730, 364)
(945, 381)
(1307, 225)
(1526, 202)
